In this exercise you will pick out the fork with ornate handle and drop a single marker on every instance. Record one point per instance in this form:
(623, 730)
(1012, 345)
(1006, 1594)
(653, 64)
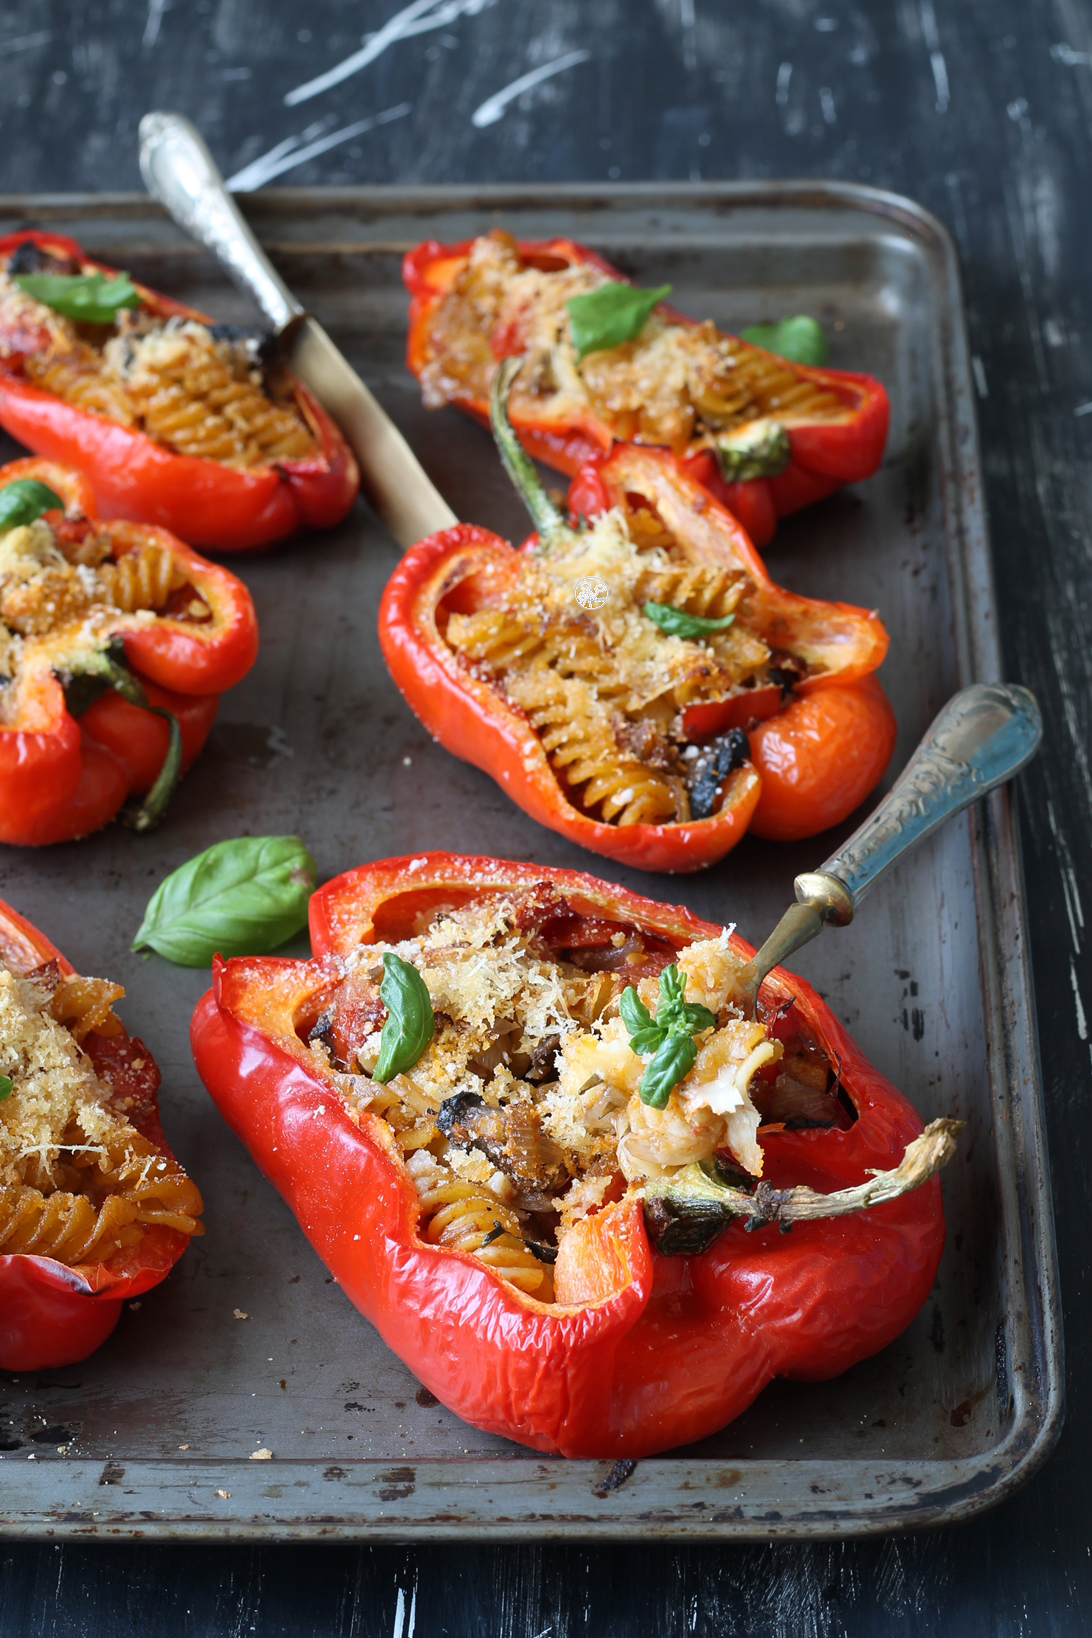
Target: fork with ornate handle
(981, 738)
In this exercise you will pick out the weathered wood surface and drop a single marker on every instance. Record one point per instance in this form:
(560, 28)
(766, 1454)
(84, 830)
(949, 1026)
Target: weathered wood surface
(982, 110)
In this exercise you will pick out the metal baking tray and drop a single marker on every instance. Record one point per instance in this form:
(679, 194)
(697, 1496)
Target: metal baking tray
(152, 1436)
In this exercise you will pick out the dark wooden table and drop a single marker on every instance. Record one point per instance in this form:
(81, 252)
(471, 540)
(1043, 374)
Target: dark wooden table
(982, 110)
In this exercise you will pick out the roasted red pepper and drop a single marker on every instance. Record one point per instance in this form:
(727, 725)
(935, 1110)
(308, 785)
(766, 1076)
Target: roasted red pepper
(835, 422)
(243, 506)
(639, 1351)
(52, 1311)
(821, 734)
(147, 615)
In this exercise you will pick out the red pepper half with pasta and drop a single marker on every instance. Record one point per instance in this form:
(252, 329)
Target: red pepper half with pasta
(94, 1208)
(176, 421)
(116, 642)
(529, 1123)
(639, 684)
(764, 435)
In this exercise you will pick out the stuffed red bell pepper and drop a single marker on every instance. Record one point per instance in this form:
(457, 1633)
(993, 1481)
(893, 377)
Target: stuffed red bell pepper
(175, 420)
(94, 1208)
(640, 685)
(526, 1120)
(116, 642)
(764, 435)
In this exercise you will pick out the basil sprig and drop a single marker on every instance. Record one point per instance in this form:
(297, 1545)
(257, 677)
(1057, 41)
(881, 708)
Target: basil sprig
(241, 897)
(5, 1087)
(677, 623)
(668, 1036)
(410, 1023)
(611, 315)
(88, 297)
(801, 339)
(24, 500)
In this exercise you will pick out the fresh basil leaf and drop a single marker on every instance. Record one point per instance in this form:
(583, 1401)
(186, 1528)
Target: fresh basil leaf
(24, 500)
(635, 1015)
(801, 339)
(647, 1041)
(673, 1061)
(677, 623)
(611, 315)
(672, 991)
(87, 297)
(410, 1023)
(696, 1017)
(241, 897)
(5, 1087)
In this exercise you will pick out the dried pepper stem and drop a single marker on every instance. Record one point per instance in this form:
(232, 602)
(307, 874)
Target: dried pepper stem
(687, 1211)
(101, 665)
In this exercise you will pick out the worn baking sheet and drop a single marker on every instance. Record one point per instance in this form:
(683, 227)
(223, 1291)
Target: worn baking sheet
(152, 1436)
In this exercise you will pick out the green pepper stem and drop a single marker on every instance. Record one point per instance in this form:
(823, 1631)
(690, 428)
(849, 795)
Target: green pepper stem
(97, 662)
(548, 521)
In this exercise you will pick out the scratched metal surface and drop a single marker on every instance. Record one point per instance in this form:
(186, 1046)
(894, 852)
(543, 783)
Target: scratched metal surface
(157, 1428)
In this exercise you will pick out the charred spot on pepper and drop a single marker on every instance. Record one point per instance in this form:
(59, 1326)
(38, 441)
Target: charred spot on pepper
(31, 258)
(711, 766)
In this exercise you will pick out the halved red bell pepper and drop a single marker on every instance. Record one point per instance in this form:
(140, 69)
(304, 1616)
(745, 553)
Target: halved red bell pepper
(639, 1352)
(62, 777)
(826, 452)
(53, 1313)
(811, 763)
(222, 508)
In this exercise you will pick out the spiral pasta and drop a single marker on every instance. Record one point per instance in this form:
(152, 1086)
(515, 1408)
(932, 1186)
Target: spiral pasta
(603, 691)
(195, 392)
(78, 1182)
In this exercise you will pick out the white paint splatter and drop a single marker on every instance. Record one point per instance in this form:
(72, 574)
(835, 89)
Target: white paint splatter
(399, 1614)
(690, 46)
(978, 370)
(1082, 1024)
(492, 109)
(936, 57)
(1083, 409)
(156, 8)
(25, 42)
(826, 102)
(1063, 53)
(784, 75)
(287, 154)
(419, 18)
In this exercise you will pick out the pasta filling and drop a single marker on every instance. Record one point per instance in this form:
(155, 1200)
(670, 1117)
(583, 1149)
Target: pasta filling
(680, 385)
(63, 592)
(201, 390)
(78, 1181)
(524, 1114)
(640, 726)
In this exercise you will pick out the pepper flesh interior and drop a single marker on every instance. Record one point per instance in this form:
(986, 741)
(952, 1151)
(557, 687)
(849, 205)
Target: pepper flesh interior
(78, 1181)
(522, 1115)
(677, 385)
(197, 389)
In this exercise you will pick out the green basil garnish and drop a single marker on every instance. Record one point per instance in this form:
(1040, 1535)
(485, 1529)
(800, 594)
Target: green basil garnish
(677, 623)
(801, 339)
(24, 500)
(410, 1023)
(5, 1087)
(88, 297)
(668, 1036)
(611, 315)
(241, 897)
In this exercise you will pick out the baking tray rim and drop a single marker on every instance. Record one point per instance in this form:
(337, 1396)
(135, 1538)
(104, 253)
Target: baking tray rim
(961, 1487)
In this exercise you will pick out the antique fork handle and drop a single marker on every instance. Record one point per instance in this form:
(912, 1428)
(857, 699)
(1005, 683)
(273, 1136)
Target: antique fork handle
(981, 738)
